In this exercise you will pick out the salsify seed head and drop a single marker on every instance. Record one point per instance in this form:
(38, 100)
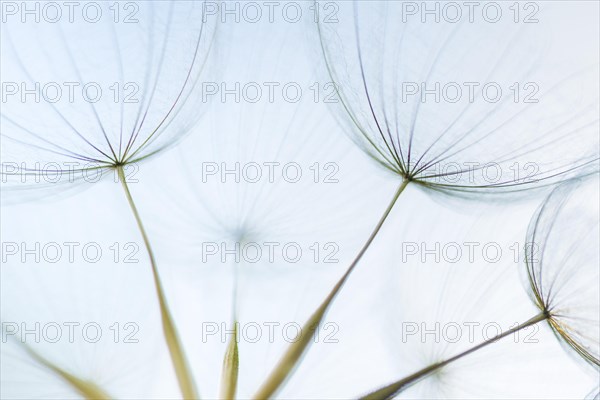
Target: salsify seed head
(90, 95)
(563, 265)
(461, 108)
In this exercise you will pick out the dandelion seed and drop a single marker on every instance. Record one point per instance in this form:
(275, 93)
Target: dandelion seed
(563, 275)
(248, 178)
(72, 112)
(448, 146)
(563, 266)
(414, 97)
(123, 122)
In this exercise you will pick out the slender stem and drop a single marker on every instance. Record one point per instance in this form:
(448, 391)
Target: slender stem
(290, 358)
(182, 369)
(231, 365)
(373, 234)
(87, 389)
(393, 389)
(231, 360)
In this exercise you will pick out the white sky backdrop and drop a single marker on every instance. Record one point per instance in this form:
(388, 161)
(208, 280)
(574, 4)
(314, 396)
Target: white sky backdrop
(382, 293)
